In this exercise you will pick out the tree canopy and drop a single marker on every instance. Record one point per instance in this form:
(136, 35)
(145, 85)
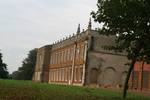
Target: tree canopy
(26, 71)
(3, 69)
(129, 20)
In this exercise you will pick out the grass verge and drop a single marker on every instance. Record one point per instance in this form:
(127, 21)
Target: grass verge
(28, 90)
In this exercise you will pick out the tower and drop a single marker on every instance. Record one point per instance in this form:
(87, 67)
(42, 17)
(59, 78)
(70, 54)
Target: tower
(78, 29)
(90, 24)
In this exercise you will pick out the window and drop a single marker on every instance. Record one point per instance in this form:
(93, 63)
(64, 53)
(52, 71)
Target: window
(65, 56)
(40, 59)
(62, 56)
(54, 59)
(66, 74)
(82, 52)
(68, 56)
(62, 74)
(69, 73)
(58, 57)
(51, 60)
(57, 74)
(81, 73)
(54, 73)
(75, 74)
(71, 54)
(77, 52)
(50, 75)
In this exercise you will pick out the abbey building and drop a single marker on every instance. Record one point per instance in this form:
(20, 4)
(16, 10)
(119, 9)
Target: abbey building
(81, 60)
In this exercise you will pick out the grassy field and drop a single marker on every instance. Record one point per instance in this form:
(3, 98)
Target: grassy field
(27, 90)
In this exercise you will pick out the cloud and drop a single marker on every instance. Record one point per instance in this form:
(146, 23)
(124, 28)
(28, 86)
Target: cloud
(28, 24)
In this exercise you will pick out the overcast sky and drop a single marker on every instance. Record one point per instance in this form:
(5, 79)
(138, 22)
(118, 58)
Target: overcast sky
(28, 24)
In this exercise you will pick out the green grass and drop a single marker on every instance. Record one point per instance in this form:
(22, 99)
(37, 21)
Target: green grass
(27, 90)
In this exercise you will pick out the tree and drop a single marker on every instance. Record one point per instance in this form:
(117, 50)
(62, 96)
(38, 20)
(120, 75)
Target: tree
(129, 20)
(26, 71)
(3, 69)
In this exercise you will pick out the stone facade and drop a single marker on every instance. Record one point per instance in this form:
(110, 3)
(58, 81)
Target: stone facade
(41, 72)
(81, 60)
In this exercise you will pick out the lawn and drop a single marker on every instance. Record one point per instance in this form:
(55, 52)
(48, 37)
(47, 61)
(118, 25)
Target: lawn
(27, 90)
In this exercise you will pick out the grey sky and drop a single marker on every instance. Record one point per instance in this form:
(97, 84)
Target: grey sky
(28, 24)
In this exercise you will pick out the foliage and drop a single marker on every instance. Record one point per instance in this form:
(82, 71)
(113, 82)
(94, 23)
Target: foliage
(129, 20)
(26, 71)
(27, 90)
(3, 69)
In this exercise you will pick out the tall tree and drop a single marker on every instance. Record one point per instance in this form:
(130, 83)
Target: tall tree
(26, 71)
(3, 69)
(130, 21)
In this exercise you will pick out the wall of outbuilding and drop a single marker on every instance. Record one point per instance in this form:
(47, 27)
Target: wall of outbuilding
(105, 67)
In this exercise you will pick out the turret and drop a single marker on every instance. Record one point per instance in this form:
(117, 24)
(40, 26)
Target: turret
(78, 30)
(90, 24)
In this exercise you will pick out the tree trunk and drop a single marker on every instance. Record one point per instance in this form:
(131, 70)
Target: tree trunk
(134, 58)
(127, 78)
